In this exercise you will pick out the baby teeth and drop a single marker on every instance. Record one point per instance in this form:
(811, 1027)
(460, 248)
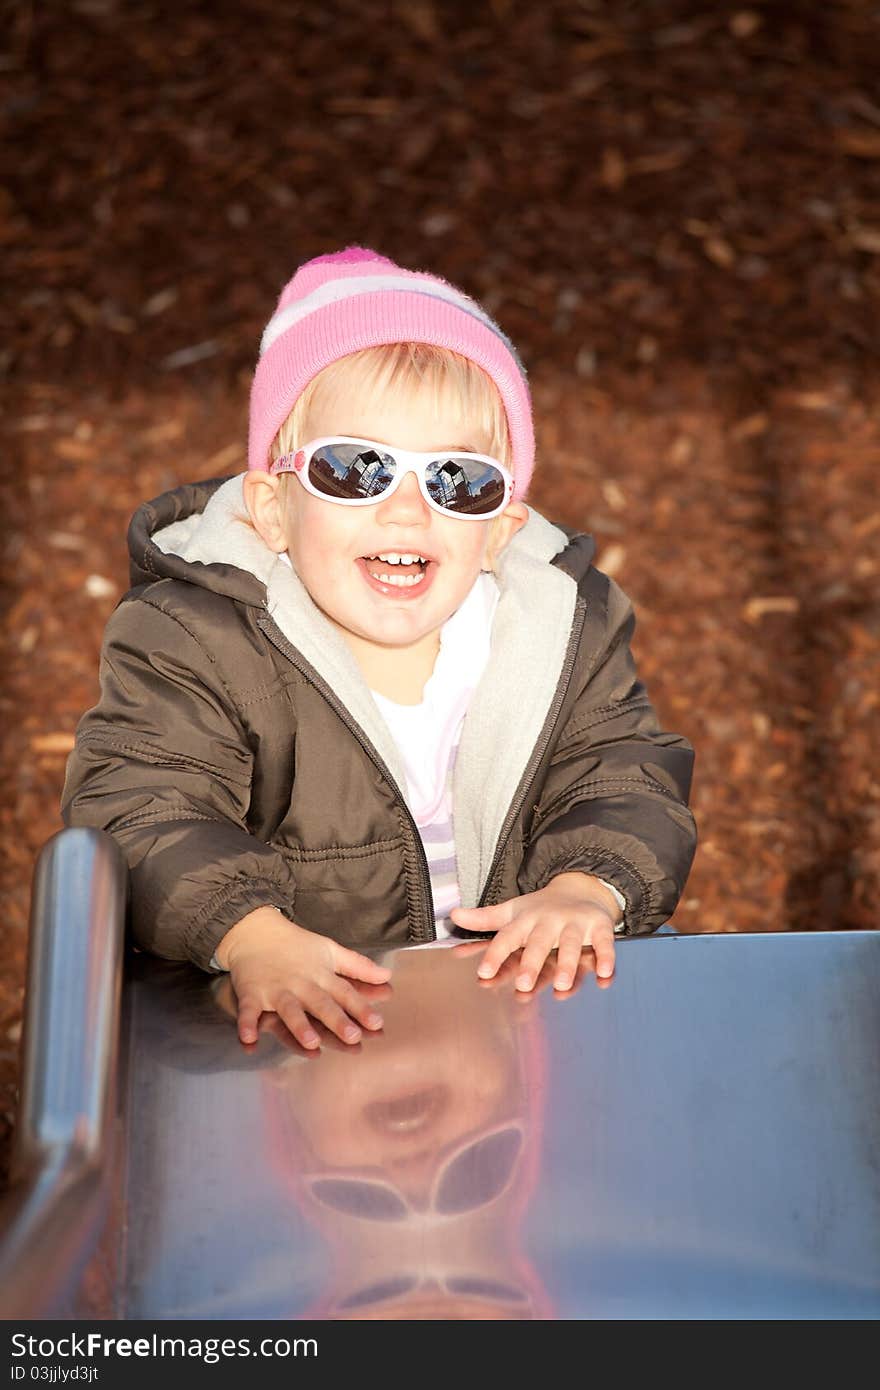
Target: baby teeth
(391, 557)
(400, 581)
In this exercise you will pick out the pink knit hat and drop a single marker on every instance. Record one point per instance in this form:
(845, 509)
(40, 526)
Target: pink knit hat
(354, 299)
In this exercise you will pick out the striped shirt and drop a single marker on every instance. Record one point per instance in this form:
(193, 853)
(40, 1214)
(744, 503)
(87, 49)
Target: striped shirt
(428, 734)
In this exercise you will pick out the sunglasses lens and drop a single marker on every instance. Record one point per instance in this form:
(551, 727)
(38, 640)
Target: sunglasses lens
(350, 471)
(370, 1201)
(479, 1173)
(465, 485)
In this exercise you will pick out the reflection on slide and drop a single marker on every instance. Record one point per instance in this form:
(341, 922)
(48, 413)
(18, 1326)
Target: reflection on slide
(415, 1158)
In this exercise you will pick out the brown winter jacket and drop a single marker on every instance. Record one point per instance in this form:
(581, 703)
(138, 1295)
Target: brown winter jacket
(237, 755)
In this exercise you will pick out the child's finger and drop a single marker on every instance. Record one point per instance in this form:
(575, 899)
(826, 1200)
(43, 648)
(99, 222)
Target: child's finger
(375, 993)
(359, 967)
(505, 943)
(292, 1013)
(544, 978)
(602, 941)
(249, 1010)
(325, 1008)
(541, 941)
(568, 956)
(544, 981)
(505, 972)
(276, 1027)
(353, 1002)
(484, 918)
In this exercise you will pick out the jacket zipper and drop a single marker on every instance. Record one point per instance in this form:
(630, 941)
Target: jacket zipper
(277, 638)
(539, 749)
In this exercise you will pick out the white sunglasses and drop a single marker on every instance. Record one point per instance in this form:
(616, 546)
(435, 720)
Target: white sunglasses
(472, 1176)
(359, 472)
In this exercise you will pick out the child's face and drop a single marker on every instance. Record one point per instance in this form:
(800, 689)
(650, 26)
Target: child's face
(331, 546)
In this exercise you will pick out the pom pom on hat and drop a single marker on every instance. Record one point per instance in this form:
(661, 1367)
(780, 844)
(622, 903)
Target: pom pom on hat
(354, 299)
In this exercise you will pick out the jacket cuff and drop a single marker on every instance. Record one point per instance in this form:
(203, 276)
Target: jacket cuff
(617, 873)
(221, 912)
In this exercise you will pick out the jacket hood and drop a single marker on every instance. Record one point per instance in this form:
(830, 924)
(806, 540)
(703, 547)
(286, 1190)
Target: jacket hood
(201, 533)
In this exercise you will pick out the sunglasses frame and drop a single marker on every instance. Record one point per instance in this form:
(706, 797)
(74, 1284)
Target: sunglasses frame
(405, 461)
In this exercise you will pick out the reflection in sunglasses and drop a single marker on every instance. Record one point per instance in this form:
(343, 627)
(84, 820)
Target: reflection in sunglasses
(472, 1177)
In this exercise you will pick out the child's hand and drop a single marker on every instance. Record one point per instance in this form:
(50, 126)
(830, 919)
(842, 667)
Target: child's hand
(278, 967)
(572, 911)
(510, 968)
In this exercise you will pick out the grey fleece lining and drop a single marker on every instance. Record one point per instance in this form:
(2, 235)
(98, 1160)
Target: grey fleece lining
(529, 640)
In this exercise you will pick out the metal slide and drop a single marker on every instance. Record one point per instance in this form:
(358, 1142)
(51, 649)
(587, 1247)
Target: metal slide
(700, 1139)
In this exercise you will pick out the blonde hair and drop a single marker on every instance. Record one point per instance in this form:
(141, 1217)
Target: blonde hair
(457, 387)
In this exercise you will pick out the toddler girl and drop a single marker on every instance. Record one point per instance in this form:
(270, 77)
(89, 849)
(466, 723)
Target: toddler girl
(362, 695)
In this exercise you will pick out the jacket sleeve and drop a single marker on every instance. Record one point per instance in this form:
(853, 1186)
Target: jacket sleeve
(614, 802)
(162, 762)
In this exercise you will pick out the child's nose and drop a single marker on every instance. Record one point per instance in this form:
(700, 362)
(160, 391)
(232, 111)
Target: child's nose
(406, 504)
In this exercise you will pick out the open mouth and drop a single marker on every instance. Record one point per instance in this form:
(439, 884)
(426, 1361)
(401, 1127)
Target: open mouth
(392, 567)
(396, 572)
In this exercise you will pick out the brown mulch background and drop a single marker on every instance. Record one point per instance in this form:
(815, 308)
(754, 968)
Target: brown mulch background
(673, 209)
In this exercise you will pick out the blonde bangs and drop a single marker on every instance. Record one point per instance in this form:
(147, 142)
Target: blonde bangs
(461, 394)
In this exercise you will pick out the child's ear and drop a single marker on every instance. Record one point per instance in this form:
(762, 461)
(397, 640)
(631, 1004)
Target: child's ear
(263, 498)
(502, 530)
